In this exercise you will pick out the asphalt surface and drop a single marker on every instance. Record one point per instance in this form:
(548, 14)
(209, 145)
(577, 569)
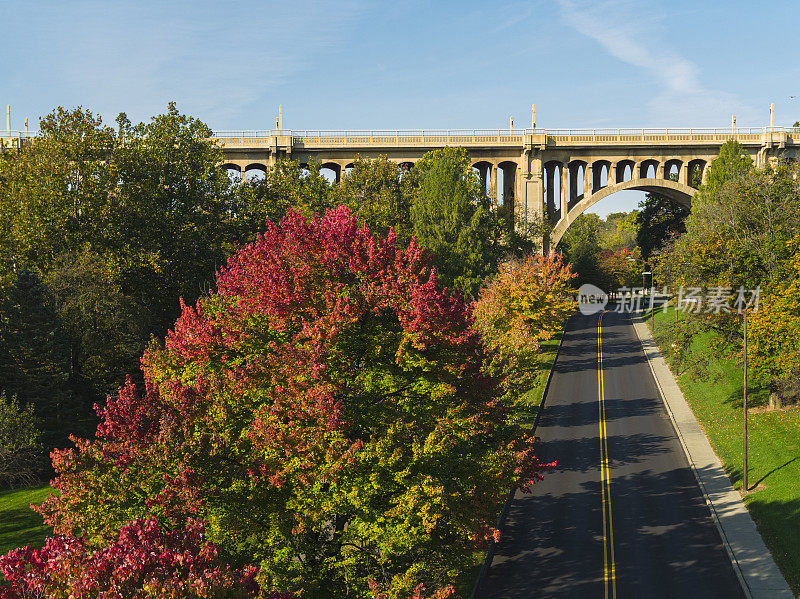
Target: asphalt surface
(638, 528)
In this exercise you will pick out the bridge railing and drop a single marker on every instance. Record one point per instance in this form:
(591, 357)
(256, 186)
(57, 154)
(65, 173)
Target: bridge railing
(667, 131)
(402, 133)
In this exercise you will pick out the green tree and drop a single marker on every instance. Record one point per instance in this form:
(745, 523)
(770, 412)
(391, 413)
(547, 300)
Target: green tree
(106, 329)
(152, 206)
(580, 246)
(451, 216)
(285, 186)
(379, 193)
(34, 355)
(172, 221)
(618, 231)
(21, 453)
(658, 219)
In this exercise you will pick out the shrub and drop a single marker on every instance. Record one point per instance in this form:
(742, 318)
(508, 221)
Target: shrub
(21, 453)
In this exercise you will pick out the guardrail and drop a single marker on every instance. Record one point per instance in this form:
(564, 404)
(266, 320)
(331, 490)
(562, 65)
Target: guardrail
(426, 133)
(503, 135)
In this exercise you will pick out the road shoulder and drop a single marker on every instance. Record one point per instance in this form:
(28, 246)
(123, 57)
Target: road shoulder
(752, 561)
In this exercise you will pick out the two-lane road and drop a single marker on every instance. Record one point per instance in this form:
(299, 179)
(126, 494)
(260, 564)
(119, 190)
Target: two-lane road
(622, 515)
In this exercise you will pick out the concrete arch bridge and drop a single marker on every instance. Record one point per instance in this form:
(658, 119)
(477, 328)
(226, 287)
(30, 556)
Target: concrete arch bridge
(548, 175)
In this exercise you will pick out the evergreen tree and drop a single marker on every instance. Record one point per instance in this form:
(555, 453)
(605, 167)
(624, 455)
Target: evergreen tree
(658, 219)
(451, 217)
(34, 355)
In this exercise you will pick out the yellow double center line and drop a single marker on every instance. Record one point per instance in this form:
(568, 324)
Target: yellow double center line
(609, 570)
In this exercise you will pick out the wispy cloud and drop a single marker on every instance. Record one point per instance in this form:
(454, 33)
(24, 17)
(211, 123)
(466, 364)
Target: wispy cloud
(679, 96)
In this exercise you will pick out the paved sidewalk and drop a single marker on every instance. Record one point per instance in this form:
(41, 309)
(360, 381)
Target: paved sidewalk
(752, 561)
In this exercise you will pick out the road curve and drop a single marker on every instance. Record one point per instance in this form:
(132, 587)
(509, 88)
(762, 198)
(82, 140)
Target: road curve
(638, 527)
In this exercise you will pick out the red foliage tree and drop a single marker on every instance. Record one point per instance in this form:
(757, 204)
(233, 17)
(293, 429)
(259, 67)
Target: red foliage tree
(324, 412)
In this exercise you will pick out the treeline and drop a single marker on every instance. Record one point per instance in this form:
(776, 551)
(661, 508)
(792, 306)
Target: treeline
(105, 228)
(743, 233)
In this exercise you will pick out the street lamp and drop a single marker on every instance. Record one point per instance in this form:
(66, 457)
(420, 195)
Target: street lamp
(647, 273)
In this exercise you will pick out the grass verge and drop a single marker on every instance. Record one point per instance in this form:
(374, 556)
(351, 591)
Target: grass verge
(19, 524)
(773, 442)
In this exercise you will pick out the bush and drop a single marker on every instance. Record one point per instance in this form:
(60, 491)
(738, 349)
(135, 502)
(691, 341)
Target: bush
(325, 412)
(21, 453)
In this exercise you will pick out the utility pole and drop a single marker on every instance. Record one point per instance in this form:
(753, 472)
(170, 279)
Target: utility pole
(744, 429)
(8, 121)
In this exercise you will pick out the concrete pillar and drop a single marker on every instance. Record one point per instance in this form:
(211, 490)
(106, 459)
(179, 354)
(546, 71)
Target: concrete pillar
(683, 173)
(564, 189)
(661, 170)
(636, 170)
(588, 180)
(612, 174)
(533, 191)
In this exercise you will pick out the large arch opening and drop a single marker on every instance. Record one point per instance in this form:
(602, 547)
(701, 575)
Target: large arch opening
(552, 190)
(506, 182)
(649, 169)
(672, 169)
(576, 171)
(255, 172)
(484, 170)
(600, 171)
(674, 190)
(695, 170)
(625, 170)
(331, 171)
(234, 172)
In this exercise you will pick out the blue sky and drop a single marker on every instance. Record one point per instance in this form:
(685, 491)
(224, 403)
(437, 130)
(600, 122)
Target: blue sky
(415, 64)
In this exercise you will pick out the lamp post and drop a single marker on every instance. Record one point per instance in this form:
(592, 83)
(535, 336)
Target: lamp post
(645, 273)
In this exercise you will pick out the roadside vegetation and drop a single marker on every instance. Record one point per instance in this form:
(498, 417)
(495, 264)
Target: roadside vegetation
(741, 243)
(715, 396)
(281, 386)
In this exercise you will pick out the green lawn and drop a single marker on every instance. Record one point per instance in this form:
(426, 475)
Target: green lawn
(773, 444)
(19, 525)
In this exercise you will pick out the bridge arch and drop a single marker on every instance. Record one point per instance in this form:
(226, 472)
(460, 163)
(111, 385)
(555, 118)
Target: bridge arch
(647, 167)
(678, 192)
(335, 168)
(508, 171)
(255, 170)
